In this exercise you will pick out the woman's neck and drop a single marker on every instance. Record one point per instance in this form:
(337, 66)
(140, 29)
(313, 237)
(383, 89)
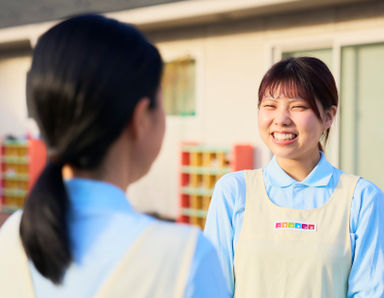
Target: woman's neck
(114, 169)
(298, 169)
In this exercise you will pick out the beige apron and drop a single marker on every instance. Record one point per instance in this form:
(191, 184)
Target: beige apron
(285, 252)
(157, 264)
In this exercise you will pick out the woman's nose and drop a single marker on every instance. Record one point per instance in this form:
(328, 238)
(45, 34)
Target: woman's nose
(282, 118)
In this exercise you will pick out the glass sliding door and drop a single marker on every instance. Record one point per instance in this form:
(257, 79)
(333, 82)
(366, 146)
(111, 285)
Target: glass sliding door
(324, 55)
(361, 111)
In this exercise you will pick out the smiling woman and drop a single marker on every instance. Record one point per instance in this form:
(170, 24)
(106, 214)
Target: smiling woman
(298, 227)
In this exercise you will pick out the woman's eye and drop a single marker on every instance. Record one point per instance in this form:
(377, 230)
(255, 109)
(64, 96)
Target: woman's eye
(268, 106)
(301, 108)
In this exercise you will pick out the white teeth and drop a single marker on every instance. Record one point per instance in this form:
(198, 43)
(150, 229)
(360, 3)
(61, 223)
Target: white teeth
(284, 136)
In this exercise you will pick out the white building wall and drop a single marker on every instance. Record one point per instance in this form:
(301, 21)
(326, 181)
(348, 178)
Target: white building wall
(13, 111)
(231, 60)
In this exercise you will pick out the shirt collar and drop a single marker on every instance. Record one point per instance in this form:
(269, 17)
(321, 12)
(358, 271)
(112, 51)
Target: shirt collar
(87, 194)
(320, 175)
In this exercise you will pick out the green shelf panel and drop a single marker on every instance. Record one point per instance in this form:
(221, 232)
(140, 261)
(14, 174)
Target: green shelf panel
(14, 192)
(204, 149)
(15, 176)
(205, 170)
(15, 159)
(197, 191)
(194, 212)
(9, 208)
(15, 143)
(187, 114)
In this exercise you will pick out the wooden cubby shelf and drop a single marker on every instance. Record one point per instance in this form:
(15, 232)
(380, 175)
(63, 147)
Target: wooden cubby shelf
(201, 167)
(21, 162)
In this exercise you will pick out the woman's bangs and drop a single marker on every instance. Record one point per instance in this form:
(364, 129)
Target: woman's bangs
(287, 87)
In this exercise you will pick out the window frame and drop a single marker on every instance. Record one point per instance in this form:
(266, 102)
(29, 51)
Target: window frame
(170, 54)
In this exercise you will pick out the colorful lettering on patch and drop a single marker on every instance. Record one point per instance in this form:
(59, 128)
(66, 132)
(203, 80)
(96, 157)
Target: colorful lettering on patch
(294, 225)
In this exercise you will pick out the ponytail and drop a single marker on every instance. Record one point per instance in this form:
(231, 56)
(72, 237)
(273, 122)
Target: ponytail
(44, 228)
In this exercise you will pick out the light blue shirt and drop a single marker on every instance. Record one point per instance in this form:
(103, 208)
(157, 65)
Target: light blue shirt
(103, 225)
(226, 213)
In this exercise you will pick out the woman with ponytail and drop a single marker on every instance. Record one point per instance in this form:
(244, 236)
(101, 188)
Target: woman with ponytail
(299, 227)
(93, 89)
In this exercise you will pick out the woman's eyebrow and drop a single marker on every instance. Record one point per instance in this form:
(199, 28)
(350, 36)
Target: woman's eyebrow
(301, 100)
(269, 97)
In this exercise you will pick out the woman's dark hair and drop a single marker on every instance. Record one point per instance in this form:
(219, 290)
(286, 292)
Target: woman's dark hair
(305, 77)
(87, 75)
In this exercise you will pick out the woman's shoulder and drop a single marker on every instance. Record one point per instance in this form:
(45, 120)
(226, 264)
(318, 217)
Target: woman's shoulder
(234, 183)
(368, 185)
(366, 192)
(176, 230)
(202, 247)
(229, 193)
(367, 209)
(202, 244)
(176, 234)
(364, 186)
(231, 181)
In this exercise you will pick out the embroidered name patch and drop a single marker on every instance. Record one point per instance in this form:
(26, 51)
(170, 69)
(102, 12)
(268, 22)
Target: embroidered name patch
(294, 225)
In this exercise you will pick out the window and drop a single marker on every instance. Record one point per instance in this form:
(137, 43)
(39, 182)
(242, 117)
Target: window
(324, 55)
(179, 88)
(362, 91)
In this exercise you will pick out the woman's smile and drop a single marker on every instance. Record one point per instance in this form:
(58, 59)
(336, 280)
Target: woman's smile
(283, 138)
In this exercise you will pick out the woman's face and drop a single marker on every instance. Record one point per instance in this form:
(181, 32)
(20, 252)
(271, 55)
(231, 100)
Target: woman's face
(156, 130)
(158, 124)
(290, 128)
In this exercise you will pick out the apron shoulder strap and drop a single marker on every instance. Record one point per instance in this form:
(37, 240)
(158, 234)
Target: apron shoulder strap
(157, 265)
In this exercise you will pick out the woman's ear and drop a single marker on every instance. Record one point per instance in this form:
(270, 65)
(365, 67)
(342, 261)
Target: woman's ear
(140, 119)
(330, 115)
